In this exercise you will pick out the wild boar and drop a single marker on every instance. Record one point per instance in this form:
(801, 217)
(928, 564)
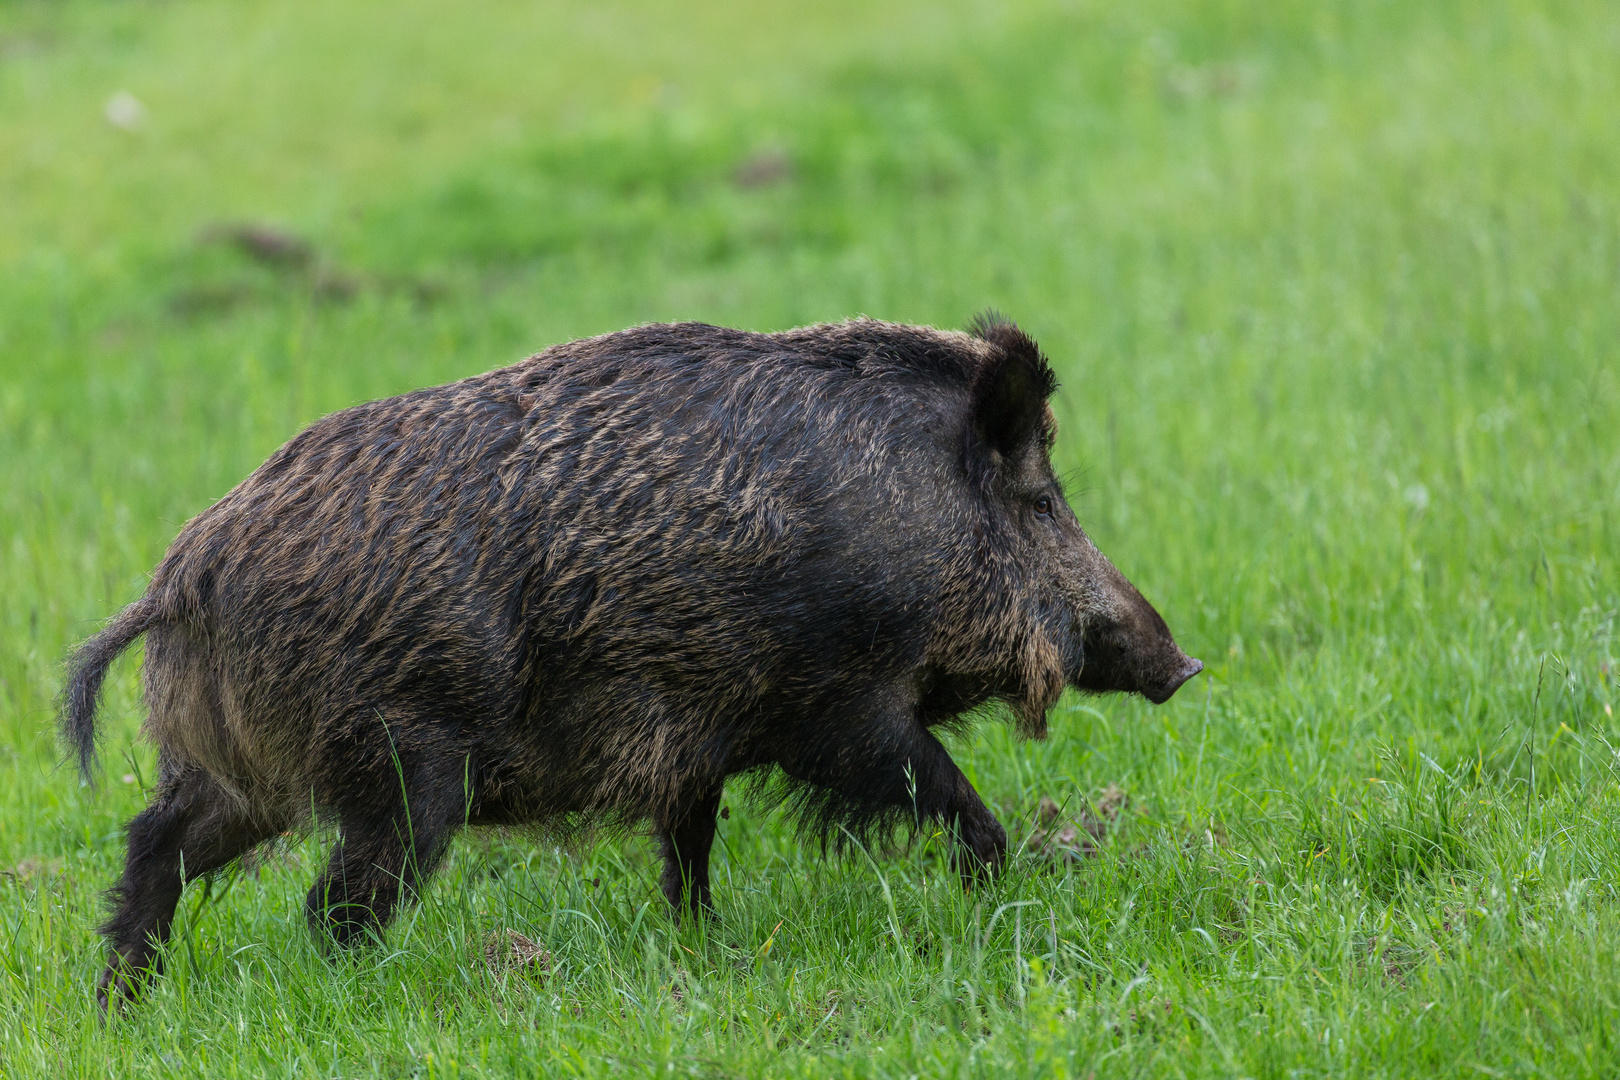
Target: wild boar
(590, 587)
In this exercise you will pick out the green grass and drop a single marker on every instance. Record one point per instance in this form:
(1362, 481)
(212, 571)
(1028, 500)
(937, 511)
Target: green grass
(1334, 290)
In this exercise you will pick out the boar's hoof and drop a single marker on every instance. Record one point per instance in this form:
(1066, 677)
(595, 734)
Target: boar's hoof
(119, 984)
(983, 850)
(1185, 670)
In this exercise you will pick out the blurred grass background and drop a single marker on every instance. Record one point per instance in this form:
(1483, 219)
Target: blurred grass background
(1334, 291)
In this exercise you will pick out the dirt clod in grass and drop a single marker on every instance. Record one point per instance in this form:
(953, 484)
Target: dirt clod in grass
(263, 244)
(334, 286)
(763, 169)
(1148, 1018)
(508, 951)
(30, 869)
(211, 299)
(282, 252)
(1060, 840)
(1393, 960)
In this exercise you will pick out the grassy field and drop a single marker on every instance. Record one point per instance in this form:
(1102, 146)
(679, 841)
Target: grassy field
(1334, 290)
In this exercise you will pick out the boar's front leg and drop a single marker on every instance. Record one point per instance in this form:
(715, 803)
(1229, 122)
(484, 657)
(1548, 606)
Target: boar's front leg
(893, 762)
(982, 842)
(685, 841)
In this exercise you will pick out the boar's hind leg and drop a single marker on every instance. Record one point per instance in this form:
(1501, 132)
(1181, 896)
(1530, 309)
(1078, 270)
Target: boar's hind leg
(685, 843)
(382, 856)
(192, 827)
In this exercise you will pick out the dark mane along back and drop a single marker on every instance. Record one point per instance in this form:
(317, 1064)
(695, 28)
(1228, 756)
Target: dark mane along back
(860, 348)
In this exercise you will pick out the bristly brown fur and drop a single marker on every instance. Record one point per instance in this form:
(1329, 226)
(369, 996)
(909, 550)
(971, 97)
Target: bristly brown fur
(594, 585)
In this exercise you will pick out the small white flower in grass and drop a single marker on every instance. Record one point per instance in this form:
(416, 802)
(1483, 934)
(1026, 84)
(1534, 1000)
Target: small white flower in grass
(125, 111)
(129, 778)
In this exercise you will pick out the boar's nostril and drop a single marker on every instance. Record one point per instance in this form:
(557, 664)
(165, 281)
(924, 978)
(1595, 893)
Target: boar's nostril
(1162, 693)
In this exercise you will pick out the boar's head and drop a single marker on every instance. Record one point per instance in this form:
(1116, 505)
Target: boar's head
(1080, 617)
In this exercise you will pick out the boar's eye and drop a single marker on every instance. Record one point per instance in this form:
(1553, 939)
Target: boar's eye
(1043, 505)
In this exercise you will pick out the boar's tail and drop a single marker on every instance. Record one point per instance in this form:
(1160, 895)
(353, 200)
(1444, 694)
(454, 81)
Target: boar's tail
(88, 666)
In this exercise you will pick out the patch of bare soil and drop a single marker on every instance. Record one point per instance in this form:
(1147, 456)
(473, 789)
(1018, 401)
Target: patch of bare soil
(1063, 838)
(295, 259)
(32, 869)
(763, 169)
(508, 951)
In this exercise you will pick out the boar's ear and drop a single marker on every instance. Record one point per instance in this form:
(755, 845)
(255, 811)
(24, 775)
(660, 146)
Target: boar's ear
(1008, 400)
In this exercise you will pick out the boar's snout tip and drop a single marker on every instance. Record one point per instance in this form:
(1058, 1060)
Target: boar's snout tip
(1186, 670)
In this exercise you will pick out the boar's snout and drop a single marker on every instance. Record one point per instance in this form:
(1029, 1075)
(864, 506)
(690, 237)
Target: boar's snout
(1160, 692)
(1127, 645)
